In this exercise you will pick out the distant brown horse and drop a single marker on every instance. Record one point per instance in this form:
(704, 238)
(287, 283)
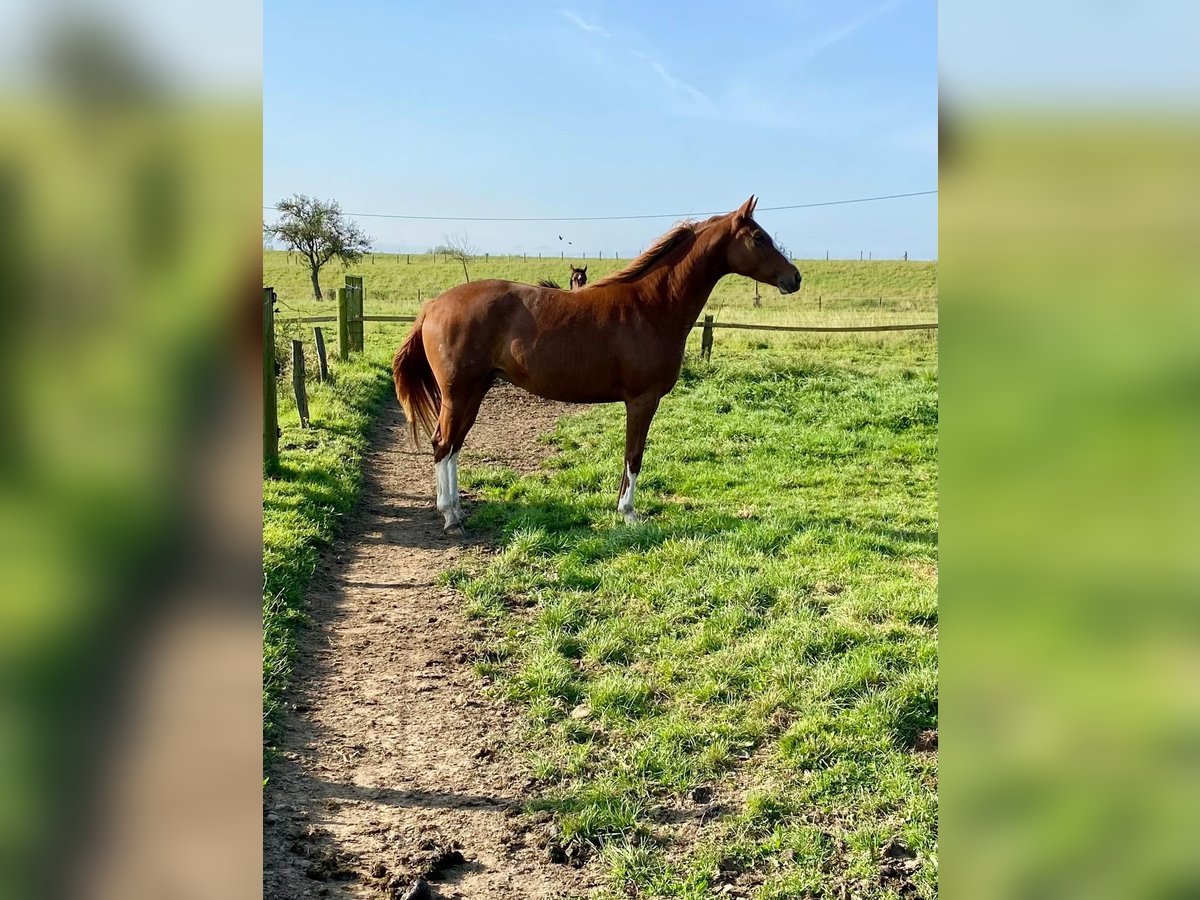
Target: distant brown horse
(578, 280)
(622, 339)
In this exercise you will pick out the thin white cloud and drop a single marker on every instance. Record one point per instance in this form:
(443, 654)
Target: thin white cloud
(677, 83)
(583, 24)
(837, 35)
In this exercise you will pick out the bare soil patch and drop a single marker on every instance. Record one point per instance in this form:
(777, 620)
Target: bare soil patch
(393, 765)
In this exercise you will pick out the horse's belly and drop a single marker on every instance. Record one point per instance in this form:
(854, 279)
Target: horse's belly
(588, 368)
(566, 390)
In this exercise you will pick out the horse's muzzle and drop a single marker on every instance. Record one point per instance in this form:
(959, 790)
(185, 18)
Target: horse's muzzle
(789, 284)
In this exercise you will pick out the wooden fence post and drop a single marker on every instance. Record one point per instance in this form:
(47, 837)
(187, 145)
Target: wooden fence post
(706, 338)
(298, 382)
(270, 402)
(354, 286)
(343, 315)
(357, 326)
(322, 362)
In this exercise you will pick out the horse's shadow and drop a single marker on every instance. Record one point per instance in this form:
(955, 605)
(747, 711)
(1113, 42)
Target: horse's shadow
(588, 529)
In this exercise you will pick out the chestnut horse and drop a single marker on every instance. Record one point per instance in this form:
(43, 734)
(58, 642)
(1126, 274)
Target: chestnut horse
(622, 340)
(578, 280)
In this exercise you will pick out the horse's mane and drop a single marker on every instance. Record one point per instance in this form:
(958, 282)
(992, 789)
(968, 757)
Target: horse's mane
(551, 283)
(680, 233)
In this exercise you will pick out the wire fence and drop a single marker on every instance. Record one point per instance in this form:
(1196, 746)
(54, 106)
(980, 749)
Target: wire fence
(571, 254)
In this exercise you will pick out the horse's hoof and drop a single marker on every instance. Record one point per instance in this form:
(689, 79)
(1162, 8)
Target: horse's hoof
(455, 530)
(632, 518)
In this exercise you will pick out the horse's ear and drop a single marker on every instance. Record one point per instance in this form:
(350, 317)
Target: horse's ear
(584, 270)
(746, 210)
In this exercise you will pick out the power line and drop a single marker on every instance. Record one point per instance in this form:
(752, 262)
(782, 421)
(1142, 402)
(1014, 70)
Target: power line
(616, 218)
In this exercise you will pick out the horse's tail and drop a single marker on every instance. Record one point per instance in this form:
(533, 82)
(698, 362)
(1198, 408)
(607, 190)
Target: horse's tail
(416, 388)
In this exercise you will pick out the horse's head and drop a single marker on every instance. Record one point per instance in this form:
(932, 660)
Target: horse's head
(578, 277)
(752, 253)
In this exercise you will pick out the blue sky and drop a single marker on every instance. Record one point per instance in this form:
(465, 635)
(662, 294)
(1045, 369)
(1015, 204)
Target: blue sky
(607, 108)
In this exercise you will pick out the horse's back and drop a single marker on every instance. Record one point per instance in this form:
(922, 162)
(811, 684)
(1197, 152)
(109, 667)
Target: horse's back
(474, 301)
(471, 324)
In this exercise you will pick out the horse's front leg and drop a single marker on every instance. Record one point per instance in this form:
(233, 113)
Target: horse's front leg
(638, 415)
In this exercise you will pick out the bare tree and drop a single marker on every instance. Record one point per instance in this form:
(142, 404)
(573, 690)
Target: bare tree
(459, 247)
(316, 229)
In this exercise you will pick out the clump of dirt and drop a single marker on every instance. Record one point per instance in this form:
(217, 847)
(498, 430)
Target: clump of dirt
(323, 859)
(735, 880)
(897, 866)
(433, 859)
(439, 858)
(419, 890)
(927, 741)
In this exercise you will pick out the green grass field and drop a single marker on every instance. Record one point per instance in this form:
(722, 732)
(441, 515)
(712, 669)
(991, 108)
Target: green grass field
(768, 632)
(835, 292)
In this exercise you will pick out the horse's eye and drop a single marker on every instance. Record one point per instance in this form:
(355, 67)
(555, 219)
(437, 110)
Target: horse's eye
(760, 238)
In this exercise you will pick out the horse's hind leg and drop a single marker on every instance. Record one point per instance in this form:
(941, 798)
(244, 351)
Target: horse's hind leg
(459, 410)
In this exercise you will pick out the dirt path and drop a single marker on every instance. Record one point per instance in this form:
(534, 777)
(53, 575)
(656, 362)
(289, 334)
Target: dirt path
(392, 762)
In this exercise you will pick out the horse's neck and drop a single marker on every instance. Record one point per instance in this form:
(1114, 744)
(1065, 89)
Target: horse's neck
(682, 289)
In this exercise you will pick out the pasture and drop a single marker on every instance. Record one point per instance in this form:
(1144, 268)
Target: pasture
(758, 655)
(739, 693)
(834, 292)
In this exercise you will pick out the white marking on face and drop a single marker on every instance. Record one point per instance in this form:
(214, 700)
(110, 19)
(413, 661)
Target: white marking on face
(625, 505)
